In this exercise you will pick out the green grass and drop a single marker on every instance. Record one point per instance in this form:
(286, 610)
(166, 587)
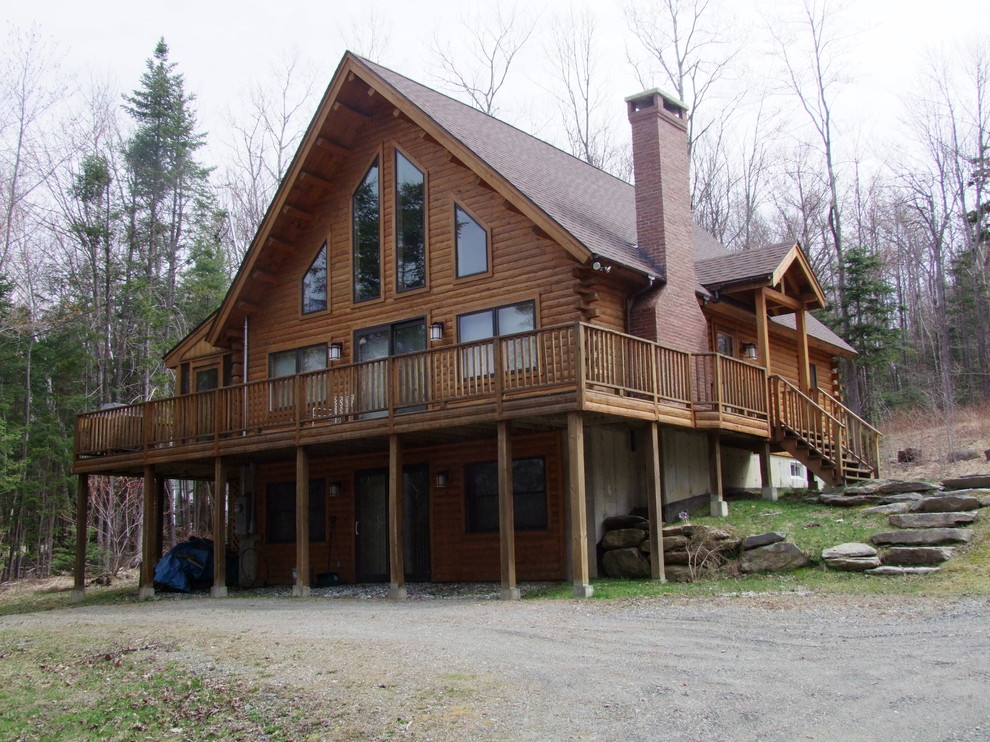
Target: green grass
(813, 527)
(62, 687)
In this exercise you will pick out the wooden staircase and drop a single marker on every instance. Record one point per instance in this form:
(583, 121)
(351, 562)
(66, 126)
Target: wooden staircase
(831, 440)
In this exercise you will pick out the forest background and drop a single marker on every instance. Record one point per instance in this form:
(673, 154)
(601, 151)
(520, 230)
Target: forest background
(122, 221)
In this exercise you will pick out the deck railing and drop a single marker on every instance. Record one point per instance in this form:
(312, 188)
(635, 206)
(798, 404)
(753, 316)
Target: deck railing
(804, 419)
(730, 386)
(861, 440)
(537, 366)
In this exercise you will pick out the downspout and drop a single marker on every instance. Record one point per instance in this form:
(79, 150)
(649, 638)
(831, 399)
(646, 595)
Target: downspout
(631, 300)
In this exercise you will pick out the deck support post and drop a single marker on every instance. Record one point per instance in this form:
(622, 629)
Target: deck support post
(149, 520)
(719, 507)
(82, 539)
(578, 505)
(762, 330)
(655, 498)
(804, 365)
(300, 588)
(768, 492)
(219, 589)
(396, 519)
(506, 515)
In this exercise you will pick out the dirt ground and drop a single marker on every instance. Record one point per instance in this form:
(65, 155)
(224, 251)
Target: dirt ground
(731, 668)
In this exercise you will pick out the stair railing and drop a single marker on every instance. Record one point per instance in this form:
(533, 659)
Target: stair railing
(805, 420)
(862, 440)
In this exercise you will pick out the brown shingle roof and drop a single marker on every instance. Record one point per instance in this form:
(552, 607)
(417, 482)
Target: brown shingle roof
(598, 209)
(741, 265)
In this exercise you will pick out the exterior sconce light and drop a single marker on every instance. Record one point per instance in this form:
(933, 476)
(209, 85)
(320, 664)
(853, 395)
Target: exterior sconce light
(436, 331)
(749, 350)
(441, 480)
(335, 488)
(336, 350)
(598, 265)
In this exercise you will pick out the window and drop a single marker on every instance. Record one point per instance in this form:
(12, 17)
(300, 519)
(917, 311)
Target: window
(314, 284)
(725, 344)
(374, 343)
(813, 375)
(280, 511)
(529, 495)
(471, 244)
(410, 226)
(366, 215)
(495, 322)
(207, 379)
(297, 361)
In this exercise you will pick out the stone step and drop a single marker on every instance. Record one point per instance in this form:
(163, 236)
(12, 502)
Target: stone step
(923, 537)
(932, 520)
(917, 556)
(946, 504)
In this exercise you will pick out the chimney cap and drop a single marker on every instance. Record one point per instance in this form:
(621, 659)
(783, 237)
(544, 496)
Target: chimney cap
(670, 102)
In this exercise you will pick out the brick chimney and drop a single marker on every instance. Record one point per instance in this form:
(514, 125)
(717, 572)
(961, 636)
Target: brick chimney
(664, 224)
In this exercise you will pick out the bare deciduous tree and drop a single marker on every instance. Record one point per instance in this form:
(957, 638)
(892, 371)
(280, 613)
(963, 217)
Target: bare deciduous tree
(477, 67)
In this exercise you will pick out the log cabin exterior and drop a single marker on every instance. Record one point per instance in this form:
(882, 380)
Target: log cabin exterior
(452, 350)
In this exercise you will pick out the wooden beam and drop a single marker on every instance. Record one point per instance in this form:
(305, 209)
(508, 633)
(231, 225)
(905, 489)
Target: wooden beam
(262, 275)
(248, 307)
(301, 587)
(307, 176)
(577, 500)
(479, 181)
(541, 233)
(82, 538)
(146, 588)
(219, 589)
(762, 330)
(655, 498)
(341, 106)
(296, 213)
(511, 206)
(804, 371)
(783, 299)
(281, 245)
(335, 148)
(506, 514)
(396, 519)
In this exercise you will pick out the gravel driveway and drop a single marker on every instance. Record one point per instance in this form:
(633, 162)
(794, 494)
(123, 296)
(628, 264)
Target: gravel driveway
(732, 668)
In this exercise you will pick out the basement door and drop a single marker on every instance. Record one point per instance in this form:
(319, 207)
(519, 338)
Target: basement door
(371, 524)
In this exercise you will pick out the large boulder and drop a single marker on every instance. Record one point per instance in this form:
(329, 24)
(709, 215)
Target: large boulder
(917, 556)
(848, 501)
(932, 520)
(923, 537)
(623, 538)
(946, 504)
(675, 543)
(624, 521)
(762, 539)
(626, 563)
(773, 557)
(676, 557)
(966, 454)
(677, 573)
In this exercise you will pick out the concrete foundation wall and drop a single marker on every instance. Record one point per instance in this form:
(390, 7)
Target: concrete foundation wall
(615, 467)
(685, 471)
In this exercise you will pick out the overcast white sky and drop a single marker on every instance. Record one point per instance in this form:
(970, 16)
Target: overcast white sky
(222, 47)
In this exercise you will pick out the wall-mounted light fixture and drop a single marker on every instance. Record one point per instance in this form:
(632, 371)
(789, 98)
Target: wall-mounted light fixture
(441, 478)
(436, 331)
(749, 351)
(336, 351)
(600, 265)
(335, 488)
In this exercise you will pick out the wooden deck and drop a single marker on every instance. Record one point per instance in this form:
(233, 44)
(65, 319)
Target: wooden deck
(575, 367)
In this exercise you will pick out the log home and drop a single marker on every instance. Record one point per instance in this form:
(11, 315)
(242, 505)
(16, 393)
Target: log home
(452, 350)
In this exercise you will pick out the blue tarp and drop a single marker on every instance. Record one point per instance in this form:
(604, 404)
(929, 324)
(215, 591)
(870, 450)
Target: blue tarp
(186, 567)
